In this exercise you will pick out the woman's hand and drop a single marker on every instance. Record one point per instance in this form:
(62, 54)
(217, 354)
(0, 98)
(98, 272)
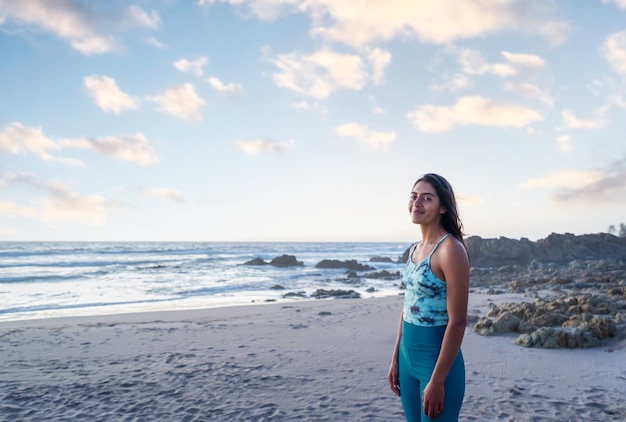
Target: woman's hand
(393, 377)
(433, 399)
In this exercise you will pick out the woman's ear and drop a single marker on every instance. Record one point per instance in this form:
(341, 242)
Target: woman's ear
(442, 211)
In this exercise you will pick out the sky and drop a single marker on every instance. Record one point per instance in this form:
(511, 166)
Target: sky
(308, 120)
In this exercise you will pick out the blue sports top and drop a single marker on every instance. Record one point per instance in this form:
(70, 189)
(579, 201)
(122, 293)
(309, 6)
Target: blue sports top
(425, 297)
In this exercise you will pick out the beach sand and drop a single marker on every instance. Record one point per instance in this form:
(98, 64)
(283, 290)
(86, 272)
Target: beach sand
(322, 360)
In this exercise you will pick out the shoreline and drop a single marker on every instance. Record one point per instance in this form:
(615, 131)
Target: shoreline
(169, 306)
(308, 360)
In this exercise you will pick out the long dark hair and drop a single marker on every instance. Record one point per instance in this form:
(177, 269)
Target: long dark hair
(450, 220)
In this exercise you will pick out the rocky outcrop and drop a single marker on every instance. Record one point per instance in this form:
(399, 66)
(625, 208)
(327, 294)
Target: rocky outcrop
(349, 264)
(579, 283)
(499, 252)
(286, 261)
(380, 259)
(335, 293)
(571, 321)
(280, 261)
(255, 261)
(383, 275)
(554, 338)
(556, 248)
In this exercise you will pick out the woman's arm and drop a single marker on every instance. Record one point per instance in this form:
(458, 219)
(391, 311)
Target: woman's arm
(454, 263)
(393, 376)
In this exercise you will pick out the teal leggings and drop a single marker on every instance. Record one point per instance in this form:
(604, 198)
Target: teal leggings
(419, 349)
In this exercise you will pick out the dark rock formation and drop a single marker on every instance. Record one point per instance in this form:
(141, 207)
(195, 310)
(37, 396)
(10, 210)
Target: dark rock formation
(353, 276)
(337, 294)
(350, 264)
(405, 256)
(573, 321)
(286, 261)
(556, 248)
(383, 275)
(578, 282)
(381, 259)
(255, 261)
(554, 338)
(280, 261)
(292, 295)
(499, 252)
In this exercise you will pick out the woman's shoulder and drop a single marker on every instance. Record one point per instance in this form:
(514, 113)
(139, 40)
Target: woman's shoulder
(453, 247)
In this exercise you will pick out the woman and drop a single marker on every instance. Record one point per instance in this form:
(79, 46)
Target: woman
(427, 369)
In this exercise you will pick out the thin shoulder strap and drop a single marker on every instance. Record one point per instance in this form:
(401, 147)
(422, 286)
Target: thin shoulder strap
(438, 243)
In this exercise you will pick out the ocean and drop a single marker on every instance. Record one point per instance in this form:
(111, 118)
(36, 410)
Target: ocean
(60, 279)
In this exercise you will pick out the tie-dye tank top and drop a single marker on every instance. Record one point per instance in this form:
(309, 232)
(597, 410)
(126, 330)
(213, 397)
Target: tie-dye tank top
(425, 296)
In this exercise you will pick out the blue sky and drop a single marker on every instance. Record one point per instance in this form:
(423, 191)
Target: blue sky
(288, 120)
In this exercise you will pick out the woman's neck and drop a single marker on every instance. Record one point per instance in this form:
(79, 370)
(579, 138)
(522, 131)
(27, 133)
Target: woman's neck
(432, 234)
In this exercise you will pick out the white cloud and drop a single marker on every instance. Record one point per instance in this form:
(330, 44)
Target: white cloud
(144, 19)
(60, 204)
(19, 139)
(155, 43)
(565, 143)
(135, 148)
(471, 111)
(614, 51)
(258, 146)
(365, 22)
(64, 19)
(12, 209)
(77, 22)
(374, 108)
(378, 110)
(195, 67)
(620, 3)
(181, 101)
(319, 74)
(472, 61)
(267, 10)
(65, 206)
(107, 94)
(529, 61)
(379, 59)
(230, 89)
(362, 133)
(515, 64)
(93, 45)
(572, 122)
(165, 193)
(605, 184)
(452, 83)
(431, 21)
(466, 200)
(528, 90)
(563, 179)
(314, 106)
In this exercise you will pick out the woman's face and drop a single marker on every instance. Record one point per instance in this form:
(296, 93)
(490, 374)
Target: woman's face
(424, 204)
